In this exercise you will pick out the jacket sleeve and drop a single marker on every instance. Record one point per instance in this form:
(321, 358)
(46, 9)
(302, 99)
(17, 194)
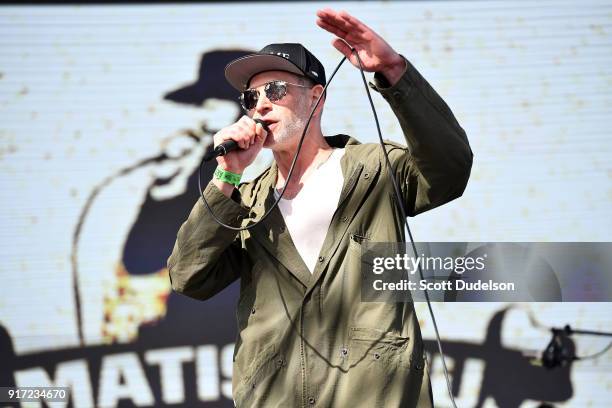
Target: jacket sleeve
(435, 167)
(208, 257)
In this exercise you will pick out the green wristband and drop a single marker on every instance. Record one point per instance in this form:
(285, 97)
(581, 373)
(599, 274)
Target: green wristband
(227, 176)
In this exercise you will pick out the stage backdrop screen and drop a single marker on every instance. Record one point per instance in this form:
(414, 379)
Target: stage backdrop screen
(106, 111)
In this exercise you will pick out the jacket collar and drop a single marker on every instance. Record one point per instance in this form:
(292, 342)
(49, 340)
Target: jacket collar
(268, 178)
(272, 233)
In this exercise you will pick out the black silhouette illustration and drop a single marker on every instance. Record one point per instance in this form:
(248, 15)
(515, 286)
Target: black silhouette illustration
(151, 237)
(509, 377)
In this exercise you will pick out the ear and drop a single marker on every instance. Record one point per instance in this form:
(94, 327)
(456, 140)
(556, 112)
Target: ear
(317, 90)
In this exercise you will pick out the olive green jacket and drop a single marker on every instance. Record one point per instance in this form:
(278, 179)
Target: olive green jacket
(306, 339)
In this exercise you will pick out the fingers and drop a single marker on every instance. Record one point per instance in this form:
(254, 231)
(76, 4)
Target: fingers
(242, 132)
(354, 22)
(260, 133)
(239, 132)
(343, 47)
(331, 28)
(247, 134)
(341, 23)
(375, 54)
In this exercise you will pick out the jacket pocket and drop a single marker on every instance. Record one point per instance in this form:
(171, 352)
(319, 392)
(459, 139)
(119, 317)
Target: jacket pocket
(359, 238)
(245, 307)
(253, 383)
(357, 241)
(247, 300)
(370, 346)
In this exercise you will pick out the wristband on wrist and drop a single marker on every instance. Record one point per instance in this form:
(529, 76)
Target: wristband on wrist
(227, 176)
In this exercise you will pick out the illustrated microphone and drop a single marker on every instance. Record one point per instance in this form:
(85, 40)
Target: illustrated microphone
(229, 145)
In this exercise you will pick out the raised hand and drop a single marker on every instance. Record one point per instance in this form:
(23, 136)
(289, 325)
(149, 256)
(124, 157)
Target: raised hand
(375, 53)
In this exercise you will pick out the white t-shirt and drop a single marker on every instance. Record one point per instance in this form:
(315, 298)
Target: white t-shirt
(309, 214)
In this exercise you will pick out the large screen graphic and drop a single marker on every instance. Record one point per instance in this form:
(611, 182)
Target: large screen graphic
(106, 112)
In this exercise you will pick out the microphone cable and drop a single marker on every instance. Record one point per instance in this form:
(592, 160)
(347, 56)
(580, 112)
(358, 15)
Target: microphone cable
(280, 196)
(396, 189)
(398, 198)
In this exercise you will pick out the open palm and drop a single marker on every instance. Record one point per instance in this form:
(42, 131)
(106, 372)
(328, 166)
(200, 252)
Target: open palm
(375, 53)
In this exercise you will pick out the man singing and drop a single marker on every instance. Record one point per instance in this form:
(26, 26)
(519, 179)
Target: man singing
(305, 338)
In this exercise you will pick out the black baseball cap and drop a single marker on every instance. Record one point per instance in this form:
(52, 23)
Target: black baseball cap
(294, 58)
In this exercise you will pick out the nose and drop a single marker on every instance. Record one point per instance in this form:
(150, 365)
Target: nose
(263, 104)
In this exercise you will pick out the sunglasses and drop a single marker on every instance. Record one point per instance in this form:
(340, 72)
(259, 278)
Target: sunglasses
(275, 91)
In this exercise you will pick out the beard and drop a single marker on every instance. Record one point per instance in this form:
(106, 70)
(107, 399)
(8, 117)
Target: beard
(292, 126)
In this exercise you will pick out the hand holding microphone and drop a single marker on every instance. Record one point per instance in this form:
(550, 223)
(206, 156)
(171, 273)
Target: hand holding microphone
(237, 145)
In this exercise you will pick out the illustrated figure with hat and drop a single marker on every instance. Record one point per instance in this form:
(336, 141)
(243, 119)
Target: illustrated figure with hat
(137, 241)
(304, 336)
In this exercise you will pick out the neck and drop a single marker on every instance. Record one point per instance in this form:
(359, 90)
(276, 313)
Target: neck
(314, 151)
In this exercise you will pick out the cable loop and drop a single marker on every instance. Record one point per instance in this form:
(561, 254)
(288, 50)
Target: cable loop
(398, 197)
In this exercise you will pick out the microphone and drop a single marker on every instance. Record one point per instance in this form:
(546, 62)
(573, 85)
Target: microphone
(224, 148)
